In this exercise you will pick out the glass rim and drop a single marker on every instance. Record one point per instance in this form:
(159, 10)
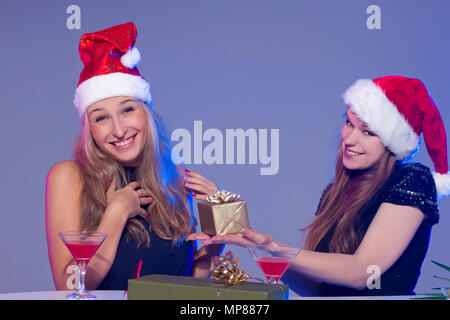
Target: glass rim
(86, 233)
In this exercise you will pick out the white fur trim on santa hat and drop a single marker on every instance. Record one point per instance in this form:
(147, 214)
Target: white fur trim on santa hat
(110, 85)
(372, 106)
(131, 59)
(442, 182)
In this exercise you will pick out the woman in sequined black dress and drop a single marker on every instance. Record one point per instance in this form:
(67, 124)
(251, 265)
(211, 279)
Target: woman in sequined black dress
(376, 216)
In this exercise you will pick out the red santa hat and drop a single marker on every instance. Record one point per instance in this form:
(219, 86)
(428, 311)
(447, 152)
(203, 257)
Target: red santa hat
(110, 59)
(399, 110)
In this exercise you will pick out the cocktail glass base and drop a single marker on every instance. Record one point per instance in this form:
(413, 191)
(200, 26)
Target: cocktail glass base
(80, 295)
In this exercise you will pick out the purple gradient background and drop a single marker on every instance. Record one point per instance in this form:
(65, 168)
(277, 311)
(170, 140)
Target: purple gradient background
(232, 64)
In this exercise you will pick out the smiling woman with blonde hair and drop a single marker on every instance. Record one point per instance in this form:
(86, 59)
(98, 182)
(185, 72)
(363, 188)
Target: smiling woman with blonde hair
(122, 180)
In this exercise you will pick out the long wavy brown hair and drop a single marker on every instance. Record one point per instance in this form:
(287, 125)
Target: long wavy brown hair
(170, 213)
(341, 202)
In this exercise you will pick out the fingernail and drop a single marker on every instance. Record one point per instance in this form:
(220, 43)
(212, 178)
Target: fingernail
(139, 184)
(194, 195)
(111, 181)
(186, 170)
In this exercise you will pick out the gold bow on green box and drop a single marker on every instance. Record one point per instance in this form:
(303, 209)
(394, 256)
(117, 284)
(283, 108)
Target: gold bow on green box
(222, 213)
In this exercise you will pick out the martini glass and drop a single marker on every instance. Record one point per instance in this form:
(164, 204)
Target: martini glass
(82, 245)
(273, 259)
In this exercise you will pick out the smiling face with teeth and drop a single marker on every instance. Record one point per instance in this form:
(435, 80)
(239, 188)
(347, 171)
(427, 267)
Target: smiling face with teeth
(119, 127)
(361, 148)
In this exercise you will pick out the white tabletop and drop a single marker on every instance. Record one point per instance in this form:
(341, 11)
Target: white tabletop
(120, 295)
(61, 295)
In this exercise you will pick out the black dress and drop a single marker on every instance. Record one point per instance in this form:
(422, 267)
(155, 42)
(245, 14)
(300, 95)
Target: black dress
(410, 184)
(161, 257)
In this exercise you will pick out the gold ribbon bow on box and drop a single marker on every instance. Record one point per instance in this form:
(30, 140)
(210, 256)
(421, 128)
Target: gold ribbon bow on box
(222, 196)
(225, 269)
(223, 213)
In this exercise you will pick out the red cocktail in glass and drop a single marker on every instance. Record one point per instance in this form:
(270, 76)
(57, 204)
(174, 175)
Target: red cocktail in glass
(82, 245)
(273, 260)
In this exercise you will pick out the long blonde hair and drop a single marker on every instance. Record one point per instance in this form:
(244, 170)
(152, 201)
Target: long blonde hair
(341, 202)
(170, 213)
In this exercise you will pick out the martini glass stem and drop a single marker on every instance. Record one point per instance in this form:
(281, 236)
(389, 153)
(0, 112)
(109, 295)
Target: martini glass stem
(82, 278)
(81, 291)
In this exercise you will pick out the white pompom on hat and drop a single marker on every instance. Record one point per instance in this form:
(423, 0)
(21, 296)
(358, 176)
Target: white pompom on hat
(399, 110)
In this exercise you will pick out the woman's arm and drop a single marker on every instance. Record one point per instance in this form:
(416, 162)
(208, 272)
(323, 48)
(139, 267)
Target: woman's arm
(63, 213)
(200, 186)
(387, 237)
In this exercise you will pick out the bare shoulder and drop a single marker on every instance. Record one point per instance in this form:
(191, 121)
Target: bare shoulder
(65, 172)
(66, 166)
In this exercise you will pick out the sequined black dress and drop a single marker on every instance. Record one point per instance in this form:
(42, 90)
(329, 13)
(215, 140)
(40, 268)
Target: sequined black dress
(161, 257)
(410, 184)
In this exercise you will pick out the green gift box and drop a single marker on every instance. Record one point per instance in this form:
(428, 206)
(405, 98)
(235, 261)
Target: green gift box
(166, 287)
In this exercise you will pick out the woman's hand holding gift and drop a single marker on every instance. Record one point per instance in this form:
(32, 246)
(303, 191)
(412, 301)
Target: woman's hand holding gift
(200, 186)
(247, 237)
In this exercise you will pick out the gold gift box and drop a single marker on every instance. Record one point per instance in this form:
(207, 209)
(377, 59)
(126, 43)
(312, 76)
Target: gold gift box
(223, 218)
